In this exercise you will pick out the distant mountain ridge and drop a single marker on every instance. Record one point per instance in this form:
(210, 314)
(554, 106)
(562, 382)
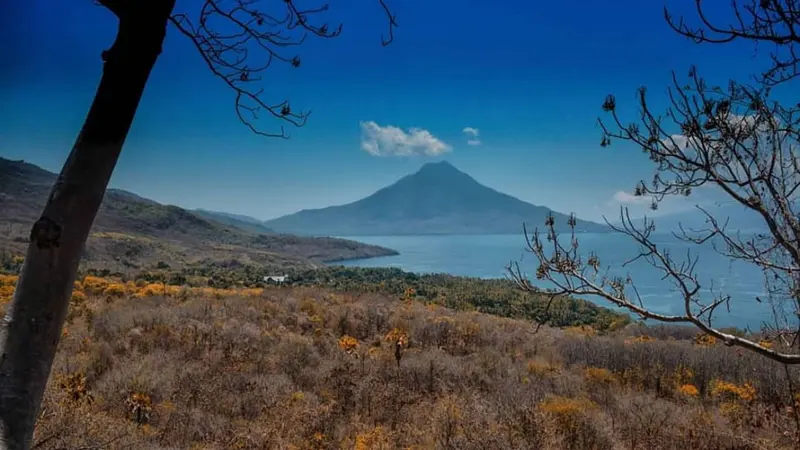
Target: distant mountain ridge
(236, 220)
(132, 232)
(437, 199)
(732, 215)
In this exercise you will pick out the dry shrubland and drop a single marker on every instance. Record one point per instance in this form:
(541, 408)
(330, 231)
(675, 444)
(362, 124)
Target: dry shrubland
(305, 368)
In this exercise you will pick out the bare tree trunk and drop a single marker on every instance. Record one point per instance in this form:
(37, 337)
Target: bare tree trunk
(30, 332)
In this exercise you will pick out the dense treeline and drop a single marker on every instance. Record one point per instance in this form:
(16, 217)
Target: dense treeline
(493, 296)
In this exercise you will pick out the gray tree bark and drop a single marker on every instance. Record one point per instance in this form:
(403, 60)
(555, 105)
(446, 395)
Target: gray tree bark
(30, 331)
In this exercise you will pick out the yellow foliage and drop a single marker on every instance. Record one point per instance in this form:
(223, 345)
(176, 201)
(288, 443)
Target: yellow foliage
(564, 407)
(173, 290)
(639, 339)
(8, 280)
(377, 438)
(598, 375)
(74, 385)
(298, 396)
(689, 390)
(94, 285)
(704, 340)
(730, 391)
(78, 297)
(115, 290)
(152, 290)
(397, 335)
(348, 343)
(730, 408)
(139, 406)
(6, 292)
(765, 343)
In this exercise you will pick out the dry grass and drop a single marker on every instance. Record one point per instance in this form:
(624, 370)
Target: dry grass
(308, 369)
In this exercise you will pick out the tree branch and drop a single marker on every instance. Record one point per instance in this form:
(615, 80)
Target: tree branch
(239, 40)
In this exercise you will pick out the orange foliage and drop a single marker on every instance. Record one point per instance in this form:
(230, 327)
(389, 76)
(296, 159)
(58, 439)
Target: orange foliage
(598, 375)
(157, 290)
(78, 297)
(6, 292)
(704, 340)
(689, 390)
(639, 339)
(94, 285)
(8, 280)
(7, 283)
(730, 391)
(74, 385)
(376, 438)
(150, 290)
(397, 335)
(566, 407)
(115, 290)
(139, 405)
(348, 343)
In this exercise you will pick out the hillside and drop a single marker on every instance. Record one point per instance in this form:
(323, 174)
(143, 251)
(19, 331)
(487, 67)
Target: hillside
(132, 232)
(438, 199)
(235, 220)
(308, 368)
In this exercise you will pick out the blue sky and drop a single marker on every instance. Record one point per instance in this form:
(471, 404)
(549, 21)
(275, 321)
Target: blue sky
(528, 76)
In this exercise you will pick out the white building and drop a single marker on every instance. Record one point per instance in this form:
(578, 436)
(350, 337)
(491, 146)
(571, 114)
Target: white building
(277, 279)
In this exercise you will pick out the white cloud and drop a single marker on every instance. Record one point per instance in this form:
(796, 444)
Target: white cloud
(625, 198)
(393, 141)
(471, 131)
(472, 136)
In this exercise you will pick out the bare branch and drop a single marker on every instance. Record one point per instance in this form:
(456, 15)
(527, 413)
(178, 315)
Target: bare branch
(240, 39)
(735, 140)
(563, 268)
(775, 22)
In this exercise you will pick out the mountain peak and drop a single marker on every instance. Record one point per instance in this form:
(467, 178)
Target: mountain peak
(439, 166)
(442, 171)
(437, 199)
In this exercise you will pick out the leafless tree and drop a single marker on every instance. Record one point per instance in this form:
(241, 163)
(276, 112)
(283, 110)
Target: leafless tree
(737, 140)
(239, 40)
